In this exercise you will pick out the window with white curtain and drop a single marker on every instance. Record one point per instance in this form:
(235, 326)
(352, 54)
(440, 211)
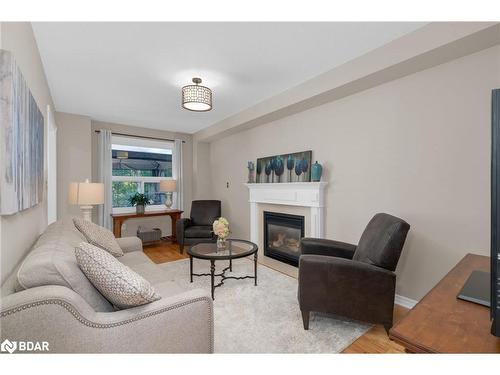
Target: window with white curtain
(138, 166)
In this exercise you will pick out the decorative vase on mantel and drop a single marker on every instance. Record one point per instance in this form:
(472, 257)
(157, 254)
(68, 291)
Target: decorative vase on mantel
(139, 209)
(316, 171)
(251, 168)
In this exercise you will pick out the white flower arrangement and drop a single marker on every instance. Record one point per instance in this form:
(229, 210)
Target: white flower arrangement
(221, 227)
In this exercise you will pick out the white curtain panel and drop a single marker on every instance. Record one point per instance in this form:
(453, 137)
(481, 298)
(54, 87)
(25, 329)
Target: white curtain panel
(104, 172)
(177, 174)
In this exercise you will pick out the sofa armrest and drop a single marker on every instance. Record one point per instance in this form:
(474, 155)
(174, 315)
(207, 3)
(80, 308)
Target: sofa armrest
(346, 287)
(49, 313)
(181, 226)
(321, 246)
(130, 244)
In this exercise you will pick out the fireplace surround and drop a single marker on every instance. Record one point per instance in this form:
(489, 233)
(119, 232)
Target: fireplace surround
(282, 235)
(296, 198)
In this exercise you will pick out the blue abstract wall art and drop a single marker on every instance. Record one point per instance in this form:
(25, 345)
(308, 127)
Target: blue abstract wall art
(294, 167)
(21, 141)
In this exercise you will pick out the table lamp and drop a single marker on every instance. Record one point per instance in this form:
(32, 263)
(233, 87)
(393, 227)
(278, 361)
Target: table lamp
(168, 186)
(86, 194)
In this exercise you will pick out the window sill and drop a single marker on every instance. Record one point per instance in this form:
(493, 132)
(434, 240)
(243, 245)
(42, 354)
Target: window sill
(131, 210)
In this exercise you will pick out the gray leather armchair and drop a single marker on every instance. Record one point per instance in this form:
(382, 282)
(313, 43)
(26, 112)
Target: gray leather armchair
(356, 282)
(198, 228)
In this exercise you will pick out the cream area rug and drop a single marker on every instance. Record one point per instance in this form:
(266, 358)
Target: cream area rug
(264, 318)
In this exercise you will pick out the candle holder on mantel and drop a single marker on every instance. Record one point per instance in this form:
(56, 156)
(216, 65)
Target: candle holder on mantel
(251, 176)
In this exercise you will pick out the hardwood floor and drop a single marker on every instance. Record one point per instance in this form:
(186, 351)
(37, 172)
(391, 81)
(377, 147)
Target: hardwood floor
(374, 341)
(164, 252)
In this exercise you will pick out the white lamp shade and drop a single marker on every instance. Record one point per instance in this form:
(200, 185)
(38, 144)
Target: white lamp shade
(86, 193)
(168, 186)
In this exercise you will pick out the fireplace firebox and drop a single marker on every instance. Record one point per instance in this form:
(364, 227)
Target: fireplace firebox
(282, 235)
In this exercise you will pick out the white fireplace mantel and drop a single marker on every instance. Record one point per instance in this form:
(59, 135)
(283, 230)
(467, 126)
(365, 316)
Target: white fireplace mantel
(303, 194)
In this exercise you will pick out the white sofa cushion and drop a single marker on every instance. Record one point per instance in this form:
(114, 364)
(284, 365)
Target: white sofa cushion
(123, 287)
(98, 236)
(135, 257)
(52, 261)
(140, 263)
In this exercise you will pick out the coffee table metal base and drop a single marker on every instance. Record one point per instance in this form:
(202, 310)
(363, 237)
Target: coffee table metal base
(222, 274)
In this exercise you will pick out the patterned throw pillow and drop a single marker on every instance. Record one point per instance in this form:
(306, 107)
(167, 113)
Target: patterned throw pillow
(123, 287)
(99, 236)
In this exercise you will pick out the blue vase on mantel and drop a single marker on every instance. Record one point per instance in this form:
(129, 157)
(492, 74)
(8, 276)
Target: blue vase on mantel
(316, 171)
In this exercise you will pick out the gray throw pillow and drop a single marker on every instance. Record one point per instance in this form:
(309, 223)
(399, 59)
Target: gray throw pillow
(123, 287)
(98, 236)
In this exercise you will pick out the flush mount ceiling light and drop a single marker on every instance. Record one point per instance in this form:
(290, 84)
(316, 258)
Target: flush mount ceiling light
(197, 98)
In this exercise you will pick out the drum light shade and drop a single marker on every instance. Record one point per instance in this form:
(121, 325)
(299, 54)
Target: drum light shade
(196, 98)
(168, 186)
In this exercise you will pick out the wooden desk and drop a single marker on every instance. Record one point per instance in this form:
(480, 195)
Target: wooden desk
(441, 323)
(119, 219)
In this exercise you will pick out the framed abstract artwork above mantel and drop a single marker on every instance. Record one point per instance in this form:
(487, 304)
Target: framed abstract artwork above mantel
(21, 141)
(294, 167)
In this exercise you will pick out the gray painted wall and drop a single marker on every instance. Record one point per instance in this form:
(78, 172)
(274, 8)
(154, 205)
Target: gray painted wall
(417, 147)
(74, 148)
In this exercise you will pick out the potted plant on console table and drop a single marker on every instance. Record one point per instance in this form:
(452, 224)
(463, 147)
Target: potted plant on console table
(140, 201)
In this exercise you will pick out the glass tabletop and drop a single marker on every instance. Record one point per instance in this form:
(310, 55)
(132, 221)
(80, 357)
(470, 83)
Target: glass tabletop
(234, 249)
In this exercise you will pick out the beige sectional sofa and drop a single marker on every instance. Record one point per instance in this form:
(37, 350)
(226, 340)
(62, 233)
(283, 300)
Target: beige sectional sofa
(48, 298)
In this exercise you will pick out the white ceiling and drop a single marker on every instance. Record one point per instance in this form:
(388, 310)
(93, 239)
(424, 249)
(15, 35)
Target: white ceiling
(132, 73)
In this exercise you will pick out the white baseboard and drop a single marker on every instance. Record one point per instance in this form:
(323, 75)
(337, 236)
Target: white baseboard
(405, 301)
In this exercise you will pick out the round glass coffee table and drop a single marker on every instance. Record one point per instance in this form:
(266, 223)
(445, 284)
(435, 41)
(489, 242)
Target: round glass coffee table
(233, 249)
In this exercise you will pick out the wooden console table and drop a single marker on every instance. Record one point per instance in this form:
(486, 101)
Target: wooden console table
(441, 323)
(118, 220)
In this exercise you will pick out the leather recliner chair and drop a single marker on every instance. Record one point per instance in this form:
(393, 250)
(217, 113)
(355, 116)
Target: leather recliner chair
(356, 282)
(198, 228)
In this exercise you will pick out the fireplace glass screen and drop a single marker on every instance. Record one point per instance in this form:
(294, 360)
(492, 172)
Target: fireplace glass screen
(282, 235)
